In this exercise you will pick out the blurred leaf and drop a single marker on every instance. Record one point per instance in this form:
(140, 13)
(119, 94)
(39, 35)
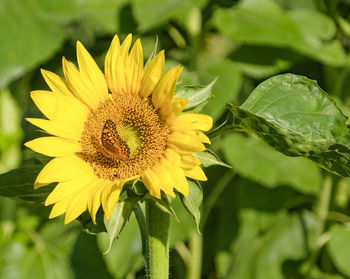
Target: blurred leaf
(263, 61)
(226, 87)
(255, 160)
(195, 94)
(263, 22)
(153, 13)
(125, 255)
(19, 184)
(344, 25)
(296, 117)
(180, 229)
(105, 12)
(154, 51)
(193, 201)
(46, 263)
(12, 256)
(339, 248)
(259, 255)
(10, 132)
(120, 217)
(30, 39)
(209, 158)
(87, 260)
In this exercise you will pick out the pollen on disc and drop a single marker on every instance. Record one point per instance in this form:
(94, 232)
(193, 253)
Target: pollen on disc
(138, 125)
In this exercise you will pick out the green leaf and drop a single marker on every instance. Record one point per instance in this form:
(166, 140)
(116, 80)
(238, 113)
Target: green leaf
(195, 94)
(339, 248)
(120, 216)
(18, 183)
(209, 158)
(193, 201)
(296, 117)
(264, 22)
(269, 167)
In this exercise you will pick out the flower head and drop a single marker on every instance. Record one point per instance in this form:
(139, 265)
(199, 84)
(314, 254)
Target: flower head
(109, 129)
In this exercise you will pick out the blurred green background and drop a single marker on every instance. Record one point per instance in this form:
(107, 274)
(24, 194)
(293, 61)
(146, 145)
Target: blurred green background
(269, 217)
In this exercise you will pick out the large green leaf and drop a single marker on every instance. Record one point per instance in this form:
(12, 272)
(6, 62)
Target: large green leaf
(296, 117)
(264, 22)
(252, 158)
(18, 183)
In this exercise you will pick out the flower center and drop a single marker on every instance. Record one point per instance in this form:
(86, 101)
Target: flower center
(123, 137)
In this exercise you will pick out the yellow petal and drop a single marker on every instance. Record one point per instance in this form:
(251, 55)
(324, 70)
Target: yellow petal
(57, 84)
(54, 146)
(192, 121)
(111, 65)
(178, 176)
(89, 68)
(66, 189)
(179, 105)
(122, 66)
(152, 74)
(81, 85)
(62, 169)
(204, 138)
(189, 161)
(94, 201)
(77, 204)
(45, 101)
(105, 196)
(63, 108)
(152, 183)
(196, 173)
(185, 142)
(109, 201)
(134, 69)
(56, 129)
(166, 181)
(59, 208)
(163, 93)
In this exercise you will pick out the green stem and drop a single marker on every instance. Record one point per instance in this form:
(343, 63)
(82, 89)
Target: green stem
(322, 211)
(194, 268)
(158, 223)
(144, 234)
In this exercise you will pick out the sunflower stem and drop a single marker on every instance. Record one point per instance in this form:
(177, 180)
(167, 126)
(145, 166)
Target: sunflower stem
(141, 220)
(158, 223)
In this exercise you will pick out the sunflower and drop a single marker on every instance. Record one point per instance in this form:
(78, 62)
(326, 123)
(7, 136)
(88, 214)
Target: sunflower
(109, 129)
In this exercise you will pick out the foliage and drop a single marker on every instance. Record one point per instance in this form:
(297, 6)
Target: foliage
(274, 206)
